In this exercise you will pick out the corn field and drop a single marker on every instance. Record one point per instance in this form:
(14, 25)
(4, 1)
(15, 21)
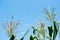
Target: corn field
(40, 32)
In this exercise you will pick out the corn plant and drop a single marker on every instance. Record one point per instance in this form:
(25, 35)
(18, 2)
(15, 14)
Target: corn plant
(53, 29)
(40, 32)
(10, 28)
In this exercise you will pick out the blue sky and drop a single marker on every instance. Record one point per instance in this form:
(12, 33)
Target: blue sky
(26, 11)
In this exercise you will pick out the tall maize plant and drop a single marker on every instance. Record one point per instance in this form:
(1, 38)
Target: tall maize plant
(40, 32)
(53, 29)
(10, 29)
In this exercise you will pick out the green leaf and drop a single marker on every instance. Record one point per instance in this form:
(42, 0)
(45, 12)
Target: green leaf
(22, 38)
(50, 31)
(13, 37)
(31, 37)
(55, 30)
(33, 30)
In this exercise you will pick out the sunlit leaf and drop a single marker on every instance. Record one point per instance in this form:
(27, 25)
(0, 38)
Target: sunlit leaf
(42, 29)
